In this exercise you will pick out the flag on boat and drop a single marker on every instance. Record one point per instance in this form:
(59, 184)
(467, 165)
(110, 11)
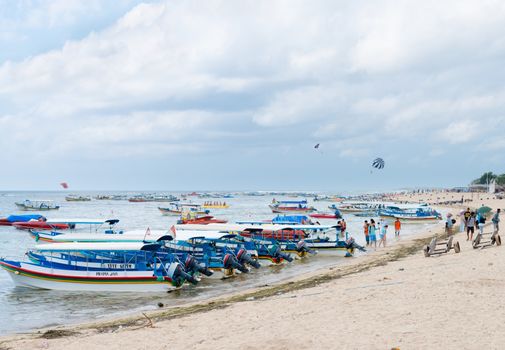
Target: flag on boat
(64, 185)
(173, 230)
(148, 232)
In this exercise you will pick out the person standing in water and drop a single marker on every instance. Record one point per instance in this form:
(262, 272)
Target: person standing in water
(365, 229)
(383, 233)
(398, 227)
(343, 227)
(371, 233)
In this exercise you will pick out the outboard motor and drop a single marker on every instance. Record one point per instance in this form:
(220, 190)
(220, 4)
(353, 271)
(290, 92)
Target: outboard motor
(302, 248)
(178, 275)
(245, 258)
(191, 265)
(351, 244)
(230, 263)
(276, 252)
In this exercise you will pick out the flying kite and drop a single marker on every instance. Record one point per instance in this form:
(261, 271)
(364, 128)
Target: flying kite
(316, 146)
(378, 163)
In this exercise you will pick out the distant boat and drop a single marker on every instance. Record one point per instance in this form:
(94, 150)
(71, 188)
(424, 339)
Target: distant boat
(291, 207)
(176, 209)
(77, 198)
(215, 205)
(412, 214)
(37, 205)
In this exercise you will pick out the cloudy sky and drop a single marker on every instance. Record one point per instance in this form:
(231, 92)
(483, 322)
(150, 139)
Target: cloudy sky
(229, 95)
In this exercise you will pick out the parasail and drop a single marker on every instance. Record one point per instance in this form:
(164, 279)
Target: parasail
(378, 163)
(316, 146)
(64, 185)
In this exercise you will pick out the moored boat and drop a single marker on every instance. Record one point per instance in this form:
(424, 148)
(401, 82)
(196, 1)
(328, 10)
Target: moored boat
(291, 207)
(37, 205)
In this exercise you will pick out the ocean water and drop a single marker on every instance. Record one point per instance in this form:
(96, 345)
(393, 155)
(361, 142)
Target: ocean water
(24, 309)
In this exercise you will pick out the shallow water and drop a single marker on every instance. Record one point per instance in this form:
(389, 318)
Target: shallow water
(24, 309)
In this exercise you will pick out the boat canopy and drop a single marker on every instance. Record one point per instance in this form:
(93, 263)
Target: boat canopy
(108, 246)
(24, 218)
(290, 219)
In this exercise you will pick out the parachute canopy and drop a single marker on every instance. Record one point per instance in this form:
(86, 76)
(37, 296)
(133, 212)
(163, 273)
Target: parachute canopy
(316, 146)
(378, 163)
(64, 185)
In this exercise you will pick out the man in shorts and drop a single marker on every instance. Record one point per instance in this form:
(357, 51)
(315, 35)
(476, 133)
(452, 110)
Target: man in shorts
(365, 229)
(496, 221)
(470, 227)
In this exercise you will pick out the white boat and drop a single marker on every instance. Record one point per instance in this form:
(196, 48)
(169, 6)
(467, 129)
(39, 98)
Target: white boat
(37, 205)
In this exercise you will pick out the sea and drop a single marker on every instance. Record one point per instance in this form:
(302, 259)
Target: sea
(24, 309)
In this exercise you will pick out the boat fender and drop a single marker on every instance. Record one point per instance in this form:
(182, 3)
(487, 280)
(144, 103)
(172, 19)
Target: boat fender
(245, 258)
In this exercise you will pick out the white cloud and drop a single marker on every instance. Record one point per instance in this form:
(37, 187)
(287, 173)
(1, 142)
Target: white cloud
(177, 75)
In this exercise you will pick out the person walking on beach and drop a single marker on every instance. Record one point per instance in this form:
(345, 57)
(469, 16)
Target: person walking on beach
(371, 233)
(365, 229)
(481, 222)
(462, 223)
(383, 233)
(470, 227)
(467, 216)
(398, 227)
(496, 221)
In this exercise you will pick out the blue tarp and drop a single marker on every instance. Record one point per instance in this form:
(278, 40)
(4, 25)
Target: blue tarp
(24, 218)
(299, 219)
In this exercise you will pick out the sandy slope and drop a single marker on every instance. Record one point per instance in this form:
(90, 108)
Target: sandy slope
(451, 302)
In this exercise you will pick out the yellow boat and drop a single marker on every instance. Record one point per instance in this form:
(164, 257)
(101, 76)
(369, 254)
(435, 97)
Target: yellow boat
(215, 205)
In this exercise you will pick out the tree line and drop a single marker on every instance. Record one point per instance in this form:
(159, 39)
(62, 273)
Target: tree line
(488, 177)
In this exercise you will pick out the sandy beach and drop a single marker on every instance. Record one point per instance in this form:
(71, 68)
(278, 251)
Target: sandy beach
(391, 298)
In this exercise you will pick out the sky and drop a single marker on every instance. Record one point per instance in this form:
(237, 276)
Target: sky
(234, 95)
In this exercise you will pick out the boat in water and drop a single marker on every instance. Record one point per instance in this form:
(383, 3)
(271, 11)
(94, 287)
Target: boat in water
(118, 267)
(410, 214)
(12, 219)
(77, 198)
(215, 205)
(177, 209)
(300, 207)
(37, 205)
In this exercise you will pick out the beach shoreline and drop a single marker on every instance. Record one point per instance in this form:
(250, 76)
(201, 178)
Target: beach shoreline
(139, 320)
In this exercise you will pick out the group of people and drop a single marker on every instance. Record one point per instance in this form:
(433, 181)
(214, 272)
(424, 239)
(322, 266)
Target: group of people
(471, 220)
(372, 230)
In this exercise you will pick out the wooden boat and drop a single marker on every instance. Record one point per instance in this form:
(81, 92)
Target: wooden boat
(39, 225)
(215, 205)
(420, 214)
(77, 198)
(291, 207)
(11, 219)
(37, 205)
(153, 273)
(177, 209)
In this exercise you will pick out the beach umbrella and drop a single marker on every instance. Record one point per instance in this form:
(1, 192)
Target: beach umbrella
(484, 210)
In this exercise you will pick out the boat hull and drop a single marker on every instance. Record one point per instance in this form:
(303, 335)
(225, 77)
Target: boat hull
(31, 276)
